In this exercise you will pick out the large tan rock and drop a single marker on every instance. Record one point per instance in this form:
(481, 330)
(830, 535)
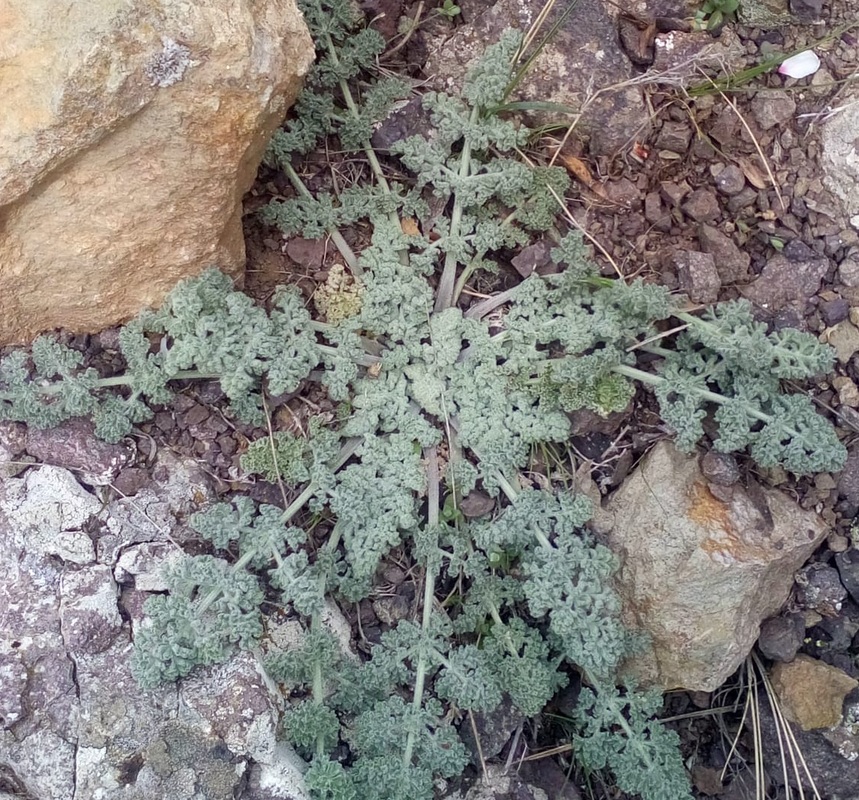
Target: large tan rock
(129, 131)
(703, 566)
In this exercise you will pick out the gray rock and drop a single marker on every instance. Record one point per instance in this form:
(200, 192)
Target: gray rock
(819, 589)
(73, 445)
(783, 281)
(655, 213)
(773, 107)
(496, 784)
(700, 573)
(848, 571)
(697, 276)
(731, 262)
(806, 10)
(848, 271)
(720, 468)
(839, 156)
(674, 136)
(82, 727)
(730, 181)
(583, 57)
(781, 637)
(834, 311)
(493, 730)
(848, 482)
(701, 206)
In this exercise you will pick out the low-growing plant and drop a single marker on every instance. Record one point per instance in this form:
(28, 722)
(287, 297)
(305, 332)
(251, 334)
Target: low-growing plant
(714, 13)
(437, 400)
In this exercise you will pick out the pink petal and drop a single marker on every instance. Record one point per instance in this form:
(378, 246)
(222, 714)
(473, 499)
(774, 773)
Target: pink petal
(801, 65)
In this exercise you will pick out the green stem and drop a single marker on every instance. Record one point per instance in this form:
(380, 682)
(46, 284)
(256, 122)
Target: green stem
(433, 499)
(121, 380)
(445, 292)
(706, 394)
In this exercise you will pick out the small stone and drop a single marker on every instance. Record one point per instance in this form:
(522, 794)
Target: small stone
(848, 394)
(195, 415)
(772, 107)
(391, 609)
(228, 444)
(130, 481)
(848, 570)
(848, 271)
(673, 193)
(731, 262)
(702, 206)
(476, 504)
(781, 637)
(744, 199)
(838, 543)
(848, 483)
(674, 136)
(164, 421)
(720, 468)
(730, 181)
(623, 192)
(806, 10)
(698, 276)
(655, 213)
(784, 281)
(844, 337)
(811, 693)
(834, 311)
(819, 588)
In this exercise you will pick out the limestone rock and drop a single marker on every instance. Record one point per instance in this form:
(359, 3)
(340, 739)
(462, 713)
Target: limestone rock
(840, 155)
(583, 58)
(73, 722)
(703, 566)
(137, 127)
(811, 693)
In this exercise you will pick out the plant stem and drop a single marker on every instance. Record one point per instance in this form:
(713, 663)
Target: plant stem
(445, 292)
(433, 499)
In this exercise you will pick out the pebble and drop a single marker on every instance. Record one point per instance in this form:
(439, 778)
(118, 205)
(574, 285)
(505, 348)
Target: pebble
(772, 107)
(730, 181)
(819, 589)
(698, 276)
(848, 570)
(848, 271)
(701, 205)
(781, 637)
(732, 263)
(674, 136)
(720, 468)
(834, 311)
(848, 394)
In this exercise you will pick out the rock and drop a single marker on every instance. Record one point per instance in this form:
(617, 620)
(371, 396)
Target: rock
(783, 281)
(781, 637)
(493, 730)
(720, 468)
(839, 155)
(73, 445)
(806, 10)
(142, 565)
(848, 483)
(764, 13)
(496, 784)
(391, 609)
(834, 311)
(681, 53)
(674, 136)
(830, 758)
(730, 181)
(701, 206)
(731, 262)
(700, 574)
(697, 275)
(848, 271)
(819, 589)
(673, 193)
(811, 693)
(13, 458)
(844, 337)
(82, 727)
(49, 509)
(772, 107)
(655, 213)
(848, 571)
(138, 128)
(583, 56)
(848, 392)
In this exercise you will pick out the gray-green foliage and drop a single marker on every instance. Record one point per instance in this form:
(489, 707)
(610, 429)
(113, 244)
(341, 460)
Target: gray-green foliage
(414, 373)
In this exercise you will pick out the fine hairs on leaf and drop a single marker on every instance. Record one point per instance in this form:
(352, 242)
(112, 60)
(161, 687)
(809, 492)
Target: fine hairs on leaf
(434, 402)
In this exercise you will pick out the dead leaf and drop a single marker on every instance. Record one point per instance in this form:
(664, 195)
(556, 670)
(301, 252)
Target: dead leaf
(753, 175)
(579, 170)
(410, 227)
(374, 370)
